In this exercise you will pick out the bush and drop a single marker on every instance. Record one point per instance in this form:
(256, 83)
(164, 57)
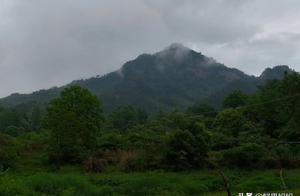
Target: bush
(125, 160)
(230, 122)
(220, 141)
(14, 131)
(94, 164)
(9, 151)
(185, 150)
(259, 184)
(111, 140)
(128, 161)
(285, 157)
(248, 156)
(10, 185)
(64, 184)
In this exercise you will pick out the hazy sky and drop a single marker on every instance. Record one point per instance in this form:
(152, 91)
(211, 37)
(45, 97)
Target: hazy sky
(44, 43)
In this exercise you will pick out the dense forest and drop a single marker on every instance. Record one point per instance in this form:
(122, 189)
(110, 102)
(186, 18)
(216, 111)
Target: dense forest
(250, 132)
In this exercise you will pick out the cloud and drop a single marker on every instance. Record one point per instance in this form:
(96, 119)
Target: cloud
(52, 42)
(206, 21)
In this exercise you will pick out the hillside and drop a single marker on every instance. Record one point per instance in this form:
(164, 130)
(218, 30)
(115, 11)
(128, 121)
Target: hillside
(175, 77)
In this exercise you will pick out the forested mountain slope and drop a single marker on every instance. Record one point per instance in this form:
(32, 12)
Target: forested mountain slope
(175, 77)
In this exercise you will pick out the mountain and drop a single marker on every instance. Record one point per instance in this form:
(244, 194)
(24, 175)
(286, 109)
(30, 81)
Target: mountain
(275, 72)
(175, 77)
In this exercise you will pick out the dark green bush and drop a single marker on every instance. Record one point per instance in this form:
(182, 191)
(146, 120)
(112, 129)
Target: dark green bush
(9, 151)
(185, 150)
(248, 156)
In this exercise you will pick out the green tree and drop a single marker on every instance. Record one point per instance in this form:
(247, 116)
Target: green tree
(202, 109)
(290, 87)
(35, 119)
(276, 107)
(9, 151)
(9, 117)
(126, 117)
(272, 114)
(235, 99)
(248, 156)
(185, 150)
(74, 120)
(230, 122)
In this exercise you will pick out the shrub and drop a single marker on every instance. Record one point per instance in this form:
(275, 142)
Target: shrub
(94, 164)
(245, 156)
(128, 160)
(9, 151)
(125, 160)
(111, 140)
(14, 131)
(286, 157)
(230, 122)
(64, 184)
(10, 185)
(185, 150)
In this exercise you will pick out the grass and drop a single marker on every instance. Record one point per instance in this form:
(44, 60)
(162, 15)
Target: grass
(70, 182)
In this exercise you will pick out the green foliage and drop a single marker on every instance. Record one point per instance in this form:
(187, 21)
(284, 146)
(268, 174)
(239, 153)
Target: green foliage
(33, 152)
(290, 86)
(202, 109)
(111, 140)
(230, 122)
(9, 152)
(280, 116)
(51, 184)
(9, 118)
(251, 132)
(250, 137)
(220, 141)
(35, 119)
(260, 184)
(20, 119)
(14, 131)
(147, 183)
(245, 156)
(126, 117)
(235, 99)
(74, 120)
(185, 150)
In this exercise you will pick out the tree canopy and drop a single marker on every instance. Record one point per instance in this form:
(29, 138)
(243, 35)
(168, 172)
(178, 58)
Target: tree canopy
(74, 120)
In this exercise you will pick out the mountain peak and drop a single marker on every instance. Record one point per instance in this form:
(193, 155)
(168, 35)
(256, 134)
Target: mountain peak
(276, 72)
(176, 46)
(176, 52)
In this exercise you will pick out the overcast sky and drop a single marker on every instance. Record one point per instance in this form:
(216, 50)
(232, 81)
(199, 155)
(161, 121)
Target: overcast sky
(45, 43)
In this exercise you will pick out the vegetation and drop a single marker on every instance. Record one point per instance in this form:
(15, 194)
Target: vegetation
(74, 120)
(146, 183)
(130, 152)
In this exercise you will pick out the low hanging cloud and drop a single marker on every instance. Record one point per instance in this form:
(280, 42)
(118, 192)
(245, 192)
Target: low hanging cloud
(45, 43)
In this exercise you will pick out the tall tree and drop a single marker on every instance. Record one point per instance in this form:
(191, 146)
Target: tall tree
(74, 120)
(290, 87)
